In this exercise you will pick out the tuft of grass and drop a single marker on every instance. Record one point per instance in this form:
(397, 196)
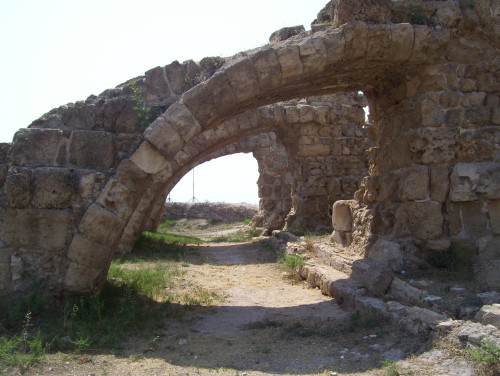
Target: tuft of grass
(487, 356)
(235, 237)
(390, 368)
(291, 264)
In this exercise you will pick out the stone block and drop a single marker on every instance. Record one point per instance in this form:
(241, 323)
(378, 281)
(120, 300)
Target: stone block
(92, 150)
(379, 42)
(36, 228)
(222, 94)
(494, 216)
(19, 187)
(35, 147)
(176, 77)
(148, 159)
(400, 49)
(375, 278)
(80, 279)
(120, 198)
(414, 183)
(341, 216)
(489, 315)
(268, 68)
(243, 79)
(54, 188)
(199, 102)
(356, 40)
(183, 121)
(440, 183)
(80, 117)
(313, 54)
(387, 254)
(156, 83)
(334, 44)
(164, 137)
(290, 62)
(89, 253)
(100, 225)
(423, 220)
(488, 263)
(285, 33)
(473, 181)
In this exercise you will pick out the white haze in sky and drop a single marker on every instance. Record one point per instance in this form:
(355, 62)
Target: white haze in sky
(60, 51)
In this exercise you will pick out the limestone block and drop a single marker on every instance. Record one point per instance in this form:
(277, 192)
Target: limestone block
(317, 150)
(414, 183)
(440, 183)
(292, 114)
(19, 187)
(92, 150)
(494, 215)
(387, 254)
(183, 121)
(243, 79)
(88, 253)
(489, 315)
(313, 54)
(334, 44)
(80, 279)
(372, 11)
(479, 115)
(176, 77)
(421, 43)
(290, 62)
(148, 159)
(400, 49)
(379, 42)
(306, 113)
(35, 147)
(472, 181)
(488, 263)
(285, 33)
(268, 68)
(5, 276)
(431, 113)
(341, 238)
(54, 188)
(120, 198)
(164, 137)
(199, 102)
(355, 40)
(80, 117)
(100, 225)
(222, 94)
(36, 228)
(438, 245)
(156, 83)
(423, 220)
(373, 277)
(404, 292)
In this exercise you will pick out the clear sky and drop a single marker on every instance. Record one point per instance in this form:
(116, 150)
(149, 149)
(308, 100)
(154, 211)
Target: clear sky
(60, 51)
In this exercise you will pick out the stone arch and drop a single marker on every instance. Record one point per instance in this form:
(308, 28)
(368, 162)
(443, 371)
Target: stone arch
(433, 93)
(301, 122)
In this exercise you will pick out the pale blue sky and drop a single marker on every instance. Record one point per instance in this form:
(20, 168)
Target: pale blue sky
(60, 51)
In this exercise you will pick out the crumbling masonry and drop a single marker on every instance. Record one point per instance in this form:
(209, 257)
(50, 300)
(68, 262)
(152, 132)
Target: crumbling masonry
(85, 179)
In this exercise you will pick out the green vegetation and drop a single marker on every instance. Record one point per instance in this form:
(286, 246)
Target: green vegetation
(487, 356)
(291, 264)
(145, 114)
(390, 368)
(235, 237)
(136, 299)
(416, 16)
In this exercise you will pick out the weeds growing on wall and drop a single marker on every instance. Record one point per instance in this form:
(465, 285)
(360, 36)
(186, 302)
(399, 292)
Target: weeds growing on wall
(145, 114)
(416, 16)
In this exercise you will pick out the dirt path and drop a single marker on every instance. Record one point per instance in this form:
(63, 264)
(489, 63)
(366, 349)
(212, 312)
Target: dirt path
(266, 325)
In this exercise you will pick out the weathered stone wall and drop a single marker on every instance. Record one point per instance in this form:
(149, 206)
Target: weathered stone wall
(434, 96)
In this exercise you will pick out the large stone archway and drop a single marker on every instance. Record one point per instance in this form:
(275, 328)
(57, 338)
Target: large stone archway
(434, 98)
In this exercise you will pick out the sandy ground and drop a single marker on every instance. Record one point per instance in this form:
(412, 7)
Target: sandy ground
(266, 325)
